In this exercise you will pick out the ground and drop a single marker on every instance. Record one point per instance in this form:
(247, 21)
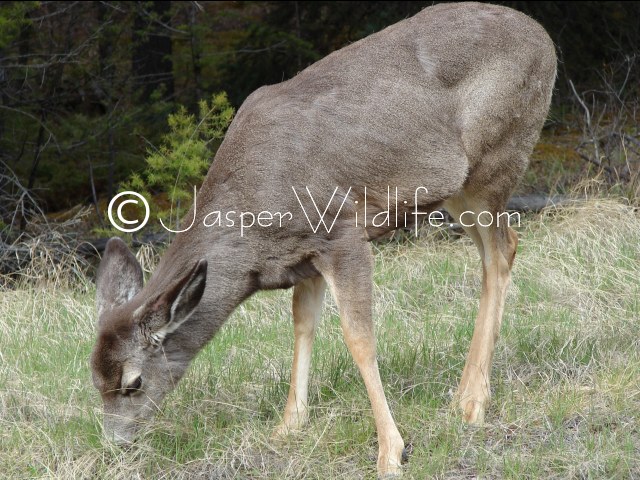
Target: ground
(566, 378)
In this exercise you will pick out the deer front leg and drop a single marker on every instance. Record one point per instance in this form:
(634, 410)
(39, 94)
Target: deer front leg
(308, 296)
(350, 279)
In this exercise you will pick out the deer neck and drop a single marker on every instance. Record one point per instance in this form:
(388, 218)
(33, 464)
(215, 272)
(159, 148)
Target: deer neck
(229, 280)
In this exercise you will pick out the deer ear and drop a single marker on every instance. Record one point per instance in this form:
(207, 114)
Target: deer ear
(119, 276)
(166, 313)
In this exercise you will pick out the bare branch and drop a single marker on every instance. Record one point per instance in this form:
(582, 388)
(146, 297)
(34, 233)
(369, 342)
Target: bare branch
(589, 127)
(606, 168)
(36, 119)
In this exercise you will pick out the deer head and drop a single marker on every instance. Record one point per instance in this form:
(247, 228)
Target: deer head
(132, 365)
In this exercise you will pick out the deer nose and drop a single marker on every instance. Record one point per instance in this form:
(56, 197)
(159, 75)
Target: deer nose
(123, 437)
(121, 441)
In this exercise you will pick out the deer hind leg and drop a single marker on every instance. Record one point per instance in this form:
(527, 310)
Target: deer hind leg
(496, 244)
(308, 297)
(349, 275)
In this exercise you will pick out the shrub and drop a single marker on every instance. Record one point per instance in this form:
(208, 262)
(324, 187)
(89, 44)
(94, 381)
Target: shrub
(182, 159)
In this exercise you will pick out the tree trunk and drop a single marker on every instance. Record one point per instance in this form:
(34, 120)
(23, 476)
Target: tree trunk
(151, 63)
(196, 52)
(106, 74)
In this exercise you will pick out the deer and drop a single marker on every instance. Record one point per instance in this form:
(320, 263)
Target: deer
(450, 101)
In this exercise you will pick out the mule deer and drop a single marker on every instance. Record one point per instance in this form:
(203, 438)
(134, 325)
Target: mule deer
(450, 101)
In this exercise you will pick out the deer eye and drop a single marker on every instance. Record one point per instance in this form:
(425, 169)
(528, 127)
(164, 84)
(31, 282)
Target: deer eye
(133, 386)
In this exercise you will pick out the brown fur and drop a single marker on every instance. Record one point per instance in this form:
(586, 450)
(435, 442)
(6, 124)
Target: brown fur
(452, 99)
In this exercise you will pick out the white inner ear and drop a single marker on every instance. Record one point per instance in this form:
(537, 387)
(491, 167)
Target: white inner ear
(171, 326)
(129, 374)
(175, 322)
(125, 296)
(130, 292)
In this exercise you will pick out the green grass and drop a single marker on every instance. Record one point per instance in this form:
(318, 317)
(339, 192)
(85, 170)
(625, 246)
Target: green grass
(566, 378)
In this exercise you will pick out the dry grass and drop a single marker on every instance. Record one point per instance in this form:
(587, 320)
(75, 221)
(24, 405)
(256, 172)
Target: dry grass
(566, 382)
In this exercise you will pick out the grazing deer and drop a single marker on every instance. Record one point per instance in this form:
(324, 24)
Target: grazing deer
(449, 103)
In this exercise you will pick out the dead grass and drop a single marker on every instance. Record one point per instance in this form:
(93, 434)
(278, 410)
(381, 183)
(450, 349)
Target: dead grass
(566, 381)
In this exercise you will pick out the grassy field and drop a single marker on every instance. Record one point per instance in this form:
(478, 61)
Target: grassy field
(566, 379)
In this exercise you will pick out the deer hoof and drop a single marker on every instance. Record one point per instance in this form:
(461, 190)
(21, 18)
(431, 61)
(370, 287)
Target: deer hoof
(472, 412)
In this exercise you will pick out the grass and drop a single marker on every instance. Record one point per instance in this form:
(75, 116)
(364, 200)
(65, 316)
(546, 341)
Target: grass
(566, 379)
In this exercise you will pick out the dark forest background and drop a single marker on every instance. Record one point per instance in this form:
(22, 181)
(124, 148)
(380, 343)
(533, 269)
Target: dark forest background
(86, 87)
